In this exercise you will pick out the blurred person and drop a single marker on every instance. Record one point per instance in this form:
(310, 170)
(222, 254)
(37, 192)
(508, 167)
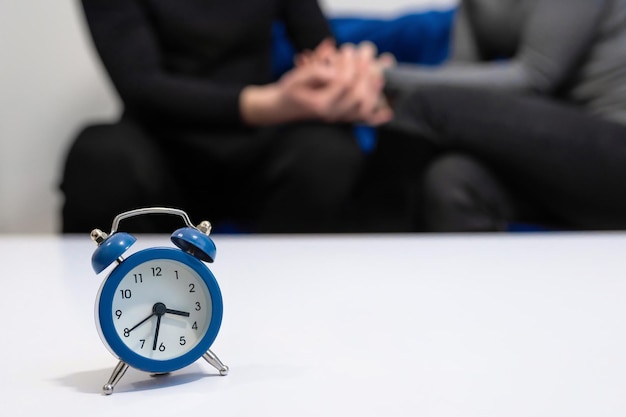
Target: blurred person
(204, 126)
(526, 123)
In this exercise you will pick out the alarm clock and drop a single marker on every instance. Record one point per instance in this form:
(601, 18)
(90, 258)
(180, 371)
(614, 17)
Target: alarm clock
(160, 308)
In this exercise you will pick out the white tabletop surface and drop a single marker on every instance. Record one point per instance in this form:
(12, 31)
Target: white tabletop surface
(483, 325)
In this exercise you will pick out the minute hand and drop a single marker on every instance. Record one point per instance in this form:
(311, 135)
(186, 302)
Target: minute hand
(140, 323)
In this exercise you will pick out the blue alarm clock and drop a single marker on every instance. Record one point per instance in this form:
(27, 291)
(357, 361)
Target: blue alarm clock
(159, 309)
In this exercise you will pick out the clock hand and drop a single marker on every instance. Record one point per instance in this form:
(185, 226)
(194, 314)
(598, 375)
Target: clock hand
(177, 312)
(140, 323)
(156, 332)
(158, 309)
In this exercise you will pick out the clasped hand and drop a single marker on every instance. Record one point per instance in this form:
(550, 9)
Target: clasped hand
(340, 84)
(330, 84)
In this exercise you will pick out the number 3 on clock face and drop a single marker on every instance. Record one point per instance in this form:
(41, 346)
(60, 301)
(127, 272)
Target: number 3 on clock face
(159, 310)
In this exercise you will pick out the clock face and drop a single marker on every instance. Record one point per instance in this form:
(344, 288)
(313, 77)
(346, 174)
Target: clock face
(160, 309)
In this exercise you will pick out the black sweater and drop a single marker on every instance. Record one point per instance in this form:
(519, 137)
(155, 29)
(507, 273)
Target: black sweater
(186, 61)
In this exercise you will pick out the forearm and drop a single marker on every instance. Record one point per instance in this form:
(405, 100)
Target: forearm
(300, 94)
(166, 99)
(502, 76)
(259, 106)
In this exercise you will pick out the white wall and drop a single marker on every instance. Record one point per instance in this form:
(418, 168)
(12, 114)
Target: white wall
(382, 7)
(51, 84)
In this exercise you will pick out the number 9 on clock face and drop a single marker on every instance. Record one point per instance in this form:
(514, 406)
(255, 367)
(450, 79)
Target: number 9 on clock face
(159, 310)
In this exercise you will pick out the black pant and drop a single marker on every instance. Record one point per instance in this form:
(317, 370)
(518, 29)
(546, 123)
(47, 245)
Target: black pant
(296, 178)
(503, 158)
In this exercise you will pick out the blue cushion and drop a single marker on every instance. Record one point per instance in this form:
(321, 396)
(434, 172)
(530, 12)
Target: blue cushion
(421, 38)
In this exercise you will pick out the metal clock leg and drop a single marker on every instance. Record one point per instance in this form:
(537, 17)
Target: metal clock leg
(211, 358)
(117, 374)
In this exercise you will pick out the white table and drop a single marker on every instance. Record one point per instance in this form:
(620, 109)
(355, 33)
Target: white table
(483, 325)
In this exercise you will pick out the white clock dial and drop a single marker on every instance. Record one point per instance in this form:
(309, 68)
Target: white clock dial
(161, 309)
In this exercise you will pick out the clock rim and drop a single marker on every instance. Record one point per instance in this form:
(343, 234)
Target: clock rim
(104, 316)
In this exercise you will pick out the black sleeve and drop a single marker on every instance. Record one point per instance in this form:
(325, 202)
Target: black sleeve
(128, 47)
(305, 22)
(556, 36)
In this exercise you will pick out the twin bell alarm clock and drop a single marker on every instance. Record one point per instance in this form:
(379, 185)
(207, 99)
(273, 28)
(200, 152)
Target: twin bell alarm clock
(160, 308)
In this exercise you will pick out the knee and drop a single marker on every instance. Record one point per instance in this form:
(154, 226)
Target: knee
(446, 178)
(111, 160)
(116, 152)
(461, 194)
(110, 169)
(100, 145)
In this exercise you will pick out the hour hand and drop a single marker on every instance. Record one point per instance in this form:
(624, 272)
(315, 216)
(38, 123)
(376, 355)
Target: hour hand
(177, 312)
